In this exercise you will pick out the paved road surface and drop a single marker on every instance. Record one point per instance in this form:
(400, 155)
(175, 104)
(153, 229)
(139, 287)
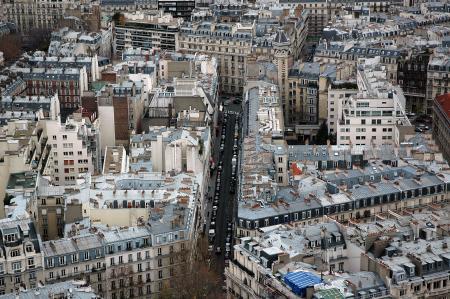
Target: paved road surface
(226, 200)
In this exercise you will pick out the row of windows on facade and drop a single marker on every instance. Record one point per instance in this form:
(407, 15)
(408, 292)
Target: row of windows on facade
(377, 200)
(17, 266)
(62, 260)
(130, 293)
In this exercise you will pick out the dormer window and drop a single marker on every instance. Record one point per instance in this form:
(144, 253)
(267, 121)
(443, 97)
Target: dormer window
(10, 238)
(15, 252)
(29, 248)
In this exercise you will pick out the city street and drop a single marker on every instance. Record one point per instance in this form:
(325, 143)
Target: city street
(226, 199)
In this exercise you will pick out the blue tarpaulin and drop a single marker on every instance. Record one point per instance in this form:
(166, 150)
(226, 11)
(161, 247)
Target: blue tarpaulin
(300, 281)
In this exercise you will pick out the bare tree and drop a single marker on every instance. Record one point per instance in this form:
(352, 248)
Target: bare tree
(38, 39)
(196, 279)
(11, 46)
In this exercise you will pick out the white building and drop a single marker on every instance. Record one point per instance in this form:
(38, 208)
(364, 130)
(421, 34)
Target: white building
(376, 114)
(170, 149)
(337, 95)
(71, 148)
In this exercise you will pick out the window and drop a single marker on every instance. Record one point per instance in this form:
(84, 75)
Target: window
(30, 262)
(159, 251)
(75, 269)
(64, 137)
(160, 274)
(15, 252)
(74, 258)
(16, 266)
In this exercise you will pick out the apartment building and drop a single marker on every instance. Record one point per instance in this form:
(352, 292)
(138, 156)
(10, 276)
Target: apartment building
(91, 64)
(278, 183)
(441, 123)
(258, 261)
(338, 94)
(412, 78)
(240, 44)
(147, 31)
(39, 105)
(376, 114)
(27, 14)
(282, 261)
(437, 76)
(120, 112)
(11, 84)
(230, 42)
(321, 12)
(71, 148)
(69, 83)
(188, 92)
(402, 262)
(351, 52)
(81, 257)
(178, 8)
(306, 205)
(69, 42)
(109, 7)
(304, 109)
(171, 149)
(21, 256)
(66, 289)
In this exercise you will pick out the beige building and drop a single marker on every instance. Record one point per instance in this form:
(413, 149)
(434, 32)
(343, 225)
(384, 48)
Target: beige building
(231, 43)
(21, 259)
(236, 45)
(48, 210)
(28, 14)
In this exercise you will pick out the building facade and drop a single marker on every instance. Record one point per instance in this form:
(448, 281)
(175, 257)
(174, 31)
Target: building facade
(441, 123)
(147, 32)
(21, 256)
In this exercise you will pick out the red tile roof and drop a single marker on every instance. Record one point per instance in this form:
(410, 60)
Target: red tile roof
(444, 102)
